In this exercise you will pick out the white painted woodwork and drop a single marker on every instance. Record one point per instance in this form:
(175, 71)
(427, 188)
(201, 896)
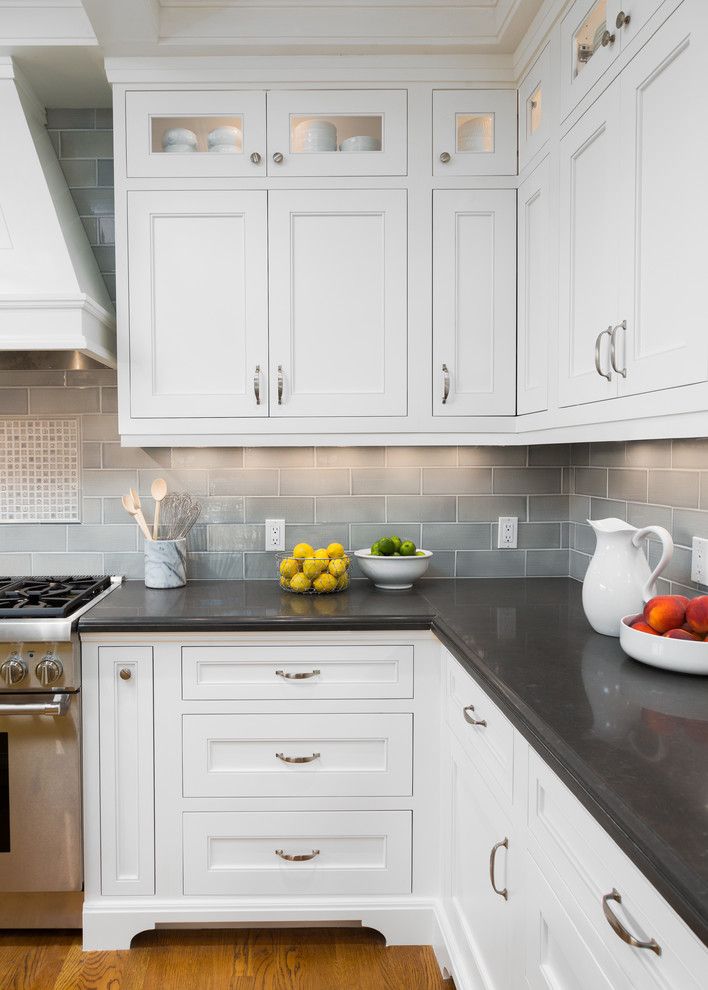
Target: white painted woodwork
(125, 741)
(449, 105)
(338, 302)
(337, 671)
(474, 301)
(640, 11)
(589, 251)
(344, 108)
(661, 160)
(574, 86)
(198, 303)
(360, 853)
(189, 109)
(534, 290)
(237, 755)
(536, 107)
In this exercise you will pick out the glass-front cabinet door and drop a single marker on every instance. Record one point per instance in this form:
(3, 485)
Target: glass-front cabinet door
(474, 132)
(342, 132)
(201, 134)
(534, 110)
(588, 46)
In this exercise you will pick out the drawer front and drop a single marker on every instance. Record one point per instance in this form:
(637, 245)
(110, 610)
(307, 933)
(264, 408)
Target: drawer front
(257, 755)
(592, 866)
(290, 673)
(486, 734)
(349, 852)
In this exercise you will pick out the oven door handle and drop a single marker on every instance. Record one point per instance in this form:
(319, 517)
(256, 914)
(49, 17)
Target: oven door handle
(59, 705)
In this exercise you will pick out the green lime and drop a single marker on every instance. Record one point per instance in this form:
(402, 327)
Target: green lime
(407, 548)
(375, 547)
(420, 553)
(396, 540)
(375, 553)
(386, 546)
(396, 553)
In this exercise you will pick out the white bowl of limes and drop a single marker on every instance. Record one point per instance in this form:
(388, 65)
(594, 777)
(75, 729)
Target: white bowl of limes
(393, 564)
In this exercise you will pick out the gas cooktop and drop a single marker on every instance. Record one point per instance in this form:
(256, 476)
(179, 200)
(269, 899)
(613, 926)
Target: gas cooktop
(47, 597)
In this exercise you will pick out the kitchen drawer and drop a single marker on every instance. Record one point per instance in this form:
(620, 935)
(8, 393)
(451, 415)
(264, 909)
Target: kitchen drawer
(346, 755)
(356, 852)
(291, 673)
(486, 734)
(592, 866)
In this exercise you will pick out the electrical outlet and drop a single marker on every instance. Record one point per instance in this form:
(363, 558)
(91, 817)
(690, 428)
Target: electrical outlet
(275, 534)
(699, 561)
(508, 532)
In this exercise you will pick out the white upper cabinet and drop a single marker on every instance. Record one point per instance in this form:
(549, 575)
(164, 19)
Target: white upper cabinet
(535, 107)
(474, 302)
(198, 304)
(589, 252)
(338, 303)
(534, 284)
(662, 205)
(474, 132)
(204, 134)
(341, 132)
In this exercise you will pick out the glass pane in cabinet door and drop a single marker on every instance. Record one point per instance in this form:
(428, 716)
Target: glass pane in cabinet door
(474, 133)
(588, 38)
(534, 110)
(197, 135)
(321, 133)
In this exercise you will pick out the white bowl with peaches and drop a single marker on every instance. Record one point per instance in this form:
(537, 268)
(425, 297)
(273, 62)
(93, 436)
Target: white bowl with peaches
(671, 633)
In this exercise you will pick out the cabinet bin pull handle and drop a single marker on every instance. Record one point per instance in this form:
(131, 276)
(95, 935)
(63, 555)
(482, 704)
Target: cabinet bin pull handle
(613, 347)
(280, 384)
(257, 384)
(298, 759)
(303, 858)
(473, 721)
(619, 929)
(492, 857)
(446, 383)
(297, 677)
(598, 345)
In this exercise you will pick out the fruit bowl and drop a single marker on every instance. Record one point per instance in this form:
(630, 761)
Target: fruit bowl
(680, 655)
(393, 573)
(313, 575)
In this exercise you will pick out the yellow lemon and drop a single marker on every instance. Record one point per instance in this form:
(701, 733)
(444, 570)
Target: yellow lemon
(343, 582)
(300, 583)
(303, 550)
(335, 550)
(321, 554)
(289, 567)
(337, 567)
(347, 561)
(284, 582)
(312, 567)
(325, 583)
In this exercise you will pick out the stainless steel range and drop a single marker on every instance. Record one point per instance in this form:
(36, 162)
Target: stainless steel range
(41, 874)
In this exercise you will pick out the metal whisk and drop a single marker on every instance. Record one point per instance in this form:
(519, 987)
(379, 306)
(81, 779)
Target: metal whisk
(178, 515)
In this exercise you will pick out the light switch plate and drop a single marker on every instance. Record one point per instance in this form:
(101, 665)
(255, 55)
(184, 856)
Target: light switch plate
(275, 534)
(699, 561)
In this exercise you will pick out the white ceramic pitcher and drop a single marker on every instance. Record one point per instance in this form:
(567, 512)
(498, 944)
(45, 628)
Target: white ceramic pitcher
(619, 580)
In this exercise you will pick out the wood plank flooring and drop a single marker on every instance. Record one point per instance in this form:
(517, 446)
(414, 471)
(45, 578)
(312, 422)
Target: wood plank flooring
(257, 959)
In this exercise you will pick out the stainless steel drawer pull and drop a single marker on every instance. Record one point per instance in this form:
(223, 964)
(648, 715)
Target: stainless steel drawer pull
(598, 351)
(492, 857)
(303, 858)
(297, 677)
(619, 929)
(298, 759)
(613, 348)
(59, 705)
(473, 721)
(280, 384)
(446, 384)
(257, 384)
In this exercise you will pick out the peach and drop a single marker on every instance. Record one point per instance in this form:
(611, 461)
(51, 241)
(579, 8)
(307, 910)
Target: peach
(697, 614)
(681, 634)
(644, 627)
(664, 612)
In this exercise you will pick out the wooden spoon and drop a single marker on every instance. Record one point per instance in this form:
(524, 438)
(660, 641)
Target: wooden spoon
(158, 490)
(133, 509)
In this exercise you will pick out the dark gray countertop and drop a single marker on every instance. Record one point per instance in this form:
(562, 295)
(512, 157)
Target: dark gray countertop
(630, 741)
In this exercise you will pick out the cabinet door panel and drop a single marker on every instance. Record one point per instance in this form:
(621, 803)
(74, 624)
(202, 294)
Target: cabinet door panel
(534, 263)
(338, 302)
(589, 237)
(663, 206)
(474, 301)
(474, 132)
(584, 59)
(198, 303)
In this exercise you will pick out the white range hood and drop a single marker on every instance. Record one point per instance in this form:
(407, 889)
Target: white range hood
(52, 295)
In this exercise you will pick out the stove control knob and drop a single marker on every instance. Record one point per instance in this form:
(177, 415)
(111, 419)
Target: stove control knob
(13, 670)
(49, 669)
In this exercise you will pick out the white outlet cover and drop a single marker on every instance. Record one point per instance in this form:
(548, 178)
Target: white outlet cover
(699, 561)
(275, 534)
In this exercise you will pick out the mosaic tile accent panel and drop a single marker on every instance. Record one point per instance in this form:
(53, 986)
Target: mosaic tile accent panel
(40, 470)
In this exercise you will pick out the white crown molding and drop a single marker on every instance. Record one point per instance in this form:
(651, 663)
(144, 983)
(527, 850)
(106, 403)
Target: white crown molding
(536, 36)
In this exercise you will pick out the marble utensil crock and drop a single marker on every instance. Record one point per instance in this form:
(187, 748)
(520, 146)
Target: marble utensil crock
(165, 563)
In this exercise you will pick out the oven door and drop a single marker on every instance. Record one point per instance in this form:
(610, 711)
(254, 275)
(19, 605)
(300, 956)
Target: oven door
(40, 793)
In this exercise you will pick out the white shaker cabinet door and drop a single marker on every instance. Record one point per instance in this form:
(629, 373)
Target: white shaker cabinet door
(589, 252)
(662, 339)
(534, 266)
(474, 302)
(198, 310)
(338, 303)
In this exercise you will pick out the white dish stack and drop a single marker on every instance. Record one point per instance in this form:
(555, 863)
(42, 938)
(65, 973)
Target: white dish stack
(225, 140)
(314, 135)
(361, 142)
(179, 141)
(476, 134)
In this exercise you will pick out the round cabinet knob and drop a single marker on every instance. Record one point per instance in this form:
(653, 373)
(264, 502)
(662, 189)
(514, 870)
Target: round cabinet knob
(125, 673)
(607, 39)
(622, 20)
(278, 157)
(13, 670)
(256, 158)
(445, 157)
(49, 669)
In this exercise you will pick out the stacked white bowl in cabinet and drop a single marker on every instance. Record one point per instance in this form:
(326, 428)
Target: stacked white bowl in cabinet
(315, 135)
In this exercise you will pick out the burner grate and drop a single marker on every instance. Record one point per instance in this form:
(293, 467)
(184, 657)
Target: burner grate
(47, 597)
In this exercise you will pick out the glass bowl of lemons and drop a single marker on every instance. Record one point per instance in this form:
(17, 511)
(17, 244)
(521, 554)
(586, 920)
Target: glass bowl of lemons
(314, 572)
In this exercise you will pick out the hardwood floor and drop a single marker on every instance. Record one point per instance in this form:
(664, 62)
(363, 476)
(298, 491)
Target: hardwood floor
(257, 959)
